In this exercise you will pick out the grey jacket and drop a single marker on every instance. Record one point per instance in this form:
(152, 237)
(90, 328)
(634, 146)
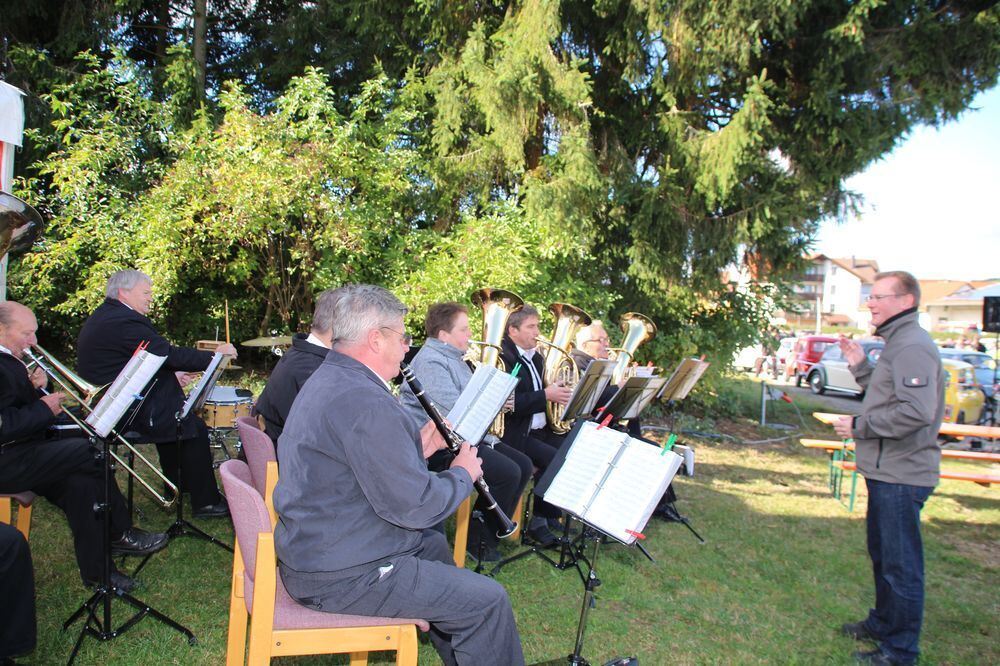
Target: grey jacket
(896, 432)
(443, 374)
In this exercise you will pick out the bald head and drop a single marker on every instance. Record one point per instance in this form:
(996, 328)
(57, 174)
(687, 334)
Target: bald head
(17, 327)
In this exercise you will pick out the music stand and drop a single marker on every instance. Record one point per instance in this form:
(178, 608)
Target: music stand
(195, 400)
(130, 382)
(633, 397)
(589, 389)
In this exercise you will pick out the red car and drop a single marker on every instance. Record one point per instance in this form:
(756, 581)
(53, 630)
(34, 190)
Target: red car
(807, 353)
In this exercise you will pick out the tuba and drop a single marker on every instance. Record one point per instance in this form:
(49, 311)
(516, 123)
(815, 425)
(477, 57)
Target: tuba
(559, 365)
(637, 329)
(497, 306)
(20, 225)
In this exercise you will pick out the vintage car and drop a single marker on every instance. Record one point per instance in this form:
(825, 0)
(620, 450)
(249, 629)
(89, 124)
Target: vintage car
(832, 372)
(963, 399)
(807, 353)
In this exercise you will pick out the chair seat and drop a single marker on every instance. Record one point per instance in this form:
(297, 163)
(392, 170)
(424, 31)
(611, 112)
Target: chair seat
(290, 614)
(24, 499)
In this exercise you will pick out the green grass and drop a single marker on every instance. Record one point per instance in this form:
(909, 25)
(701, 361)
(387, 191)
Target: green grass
(785, 564)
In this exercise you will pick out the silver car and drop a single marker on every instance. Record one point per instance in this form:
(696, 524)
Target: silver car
(833, 374)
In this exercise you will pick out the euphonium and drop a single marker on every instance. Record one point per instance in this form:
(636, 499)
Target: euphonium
(86, 394)
(559, 365)
(637, 329)
(497, 306)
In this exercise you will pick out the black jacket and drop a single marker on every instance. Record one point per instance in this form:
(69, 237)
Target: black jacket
(23, 416)
(527, 400)
(287, 378)
(107, 341)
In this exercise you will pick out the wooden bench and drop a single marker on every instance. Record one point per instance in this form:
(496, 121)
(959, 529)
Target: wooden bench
(953, 429)
(833, 445)
(975, 477)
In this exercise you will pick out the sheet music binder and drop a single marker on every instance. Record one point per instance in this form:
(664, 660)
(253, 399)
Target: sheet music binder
(685, 376)
(124, 391)
(196, 399)
(608, 480)
(633, 396)
(589, 389)
(480, 402)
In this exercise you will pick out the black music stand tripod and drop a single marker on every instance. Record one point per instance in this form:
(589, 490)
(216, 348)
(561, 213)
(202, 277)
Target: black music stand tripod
(97, 609)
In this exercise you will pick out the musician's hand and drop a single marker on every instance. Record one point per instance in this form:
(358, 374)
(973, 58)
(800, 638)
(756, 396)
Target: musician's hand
(557, 393)
(468, 460)
(851, 350)
(843, 426)
(430, 439)
(509, 405)
(228, 349)
(38, 378)
(185, 378)
(52, 401)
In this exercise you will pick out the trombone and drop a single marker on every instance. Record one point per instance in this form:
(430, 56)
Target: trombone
(84, 393)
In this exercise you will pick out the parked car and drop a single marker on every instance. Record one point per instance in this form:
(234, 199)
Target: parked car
(832, 372)
(808, 351)
(963, 399)
(983, 364)
(746, 358)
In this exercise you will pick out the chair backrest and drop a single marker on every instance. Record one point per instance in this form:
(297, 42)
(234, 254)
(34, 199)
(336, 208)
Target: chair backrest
(246, 506)
(259, 450)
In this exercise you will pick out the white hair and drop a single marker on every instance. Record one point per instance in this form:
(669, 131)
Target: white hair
(126, 279)
(586, 334)
(360, 308)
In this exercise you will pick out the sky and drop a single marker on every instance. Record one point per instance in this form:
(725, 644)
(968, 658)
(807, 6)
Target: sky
(932, 206)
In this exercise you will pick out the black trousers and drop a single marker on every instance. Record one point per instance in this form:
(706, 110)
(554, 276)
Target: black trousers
(67, 473)
(17, 589)
(195, 455)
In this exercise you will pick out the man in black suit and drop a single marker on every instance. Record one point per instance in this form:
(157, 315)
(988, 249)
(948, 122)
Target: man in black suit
(108, 340)
(64, 471)
(525, 426)
(297, 365)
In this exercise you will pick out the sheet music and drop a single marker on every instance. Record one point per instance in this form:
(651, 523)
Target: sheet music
(585, 466)
(631, 492)
(126, 388)
(588, 390)
(200, 392)
(480, 402)
(683, 379)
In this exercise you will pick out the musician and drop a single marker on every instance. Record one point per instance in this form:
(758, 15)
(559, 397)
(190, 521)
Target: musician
(442, 372)
(356, 501)
(108, 340)
(64, 471)
(297, 365)
(525, 426)
(18, 629)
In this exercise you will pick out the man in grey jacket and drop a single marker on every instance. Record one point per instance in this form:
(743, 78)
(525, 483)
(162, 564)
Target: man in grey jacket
(356, 499)
(895, 437)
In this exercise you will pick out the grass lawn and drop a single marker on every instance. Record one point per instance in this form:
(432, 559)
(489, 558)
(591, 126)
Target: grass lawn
(784, 566)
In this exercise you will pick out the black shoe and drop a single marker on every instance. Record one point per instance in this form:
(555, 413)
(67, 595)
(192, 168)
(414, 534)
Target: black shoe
(858, 631)
(878, 658)
(541, 535)
(557, 526)
(220, 510)
(118, 580)
(138, 542)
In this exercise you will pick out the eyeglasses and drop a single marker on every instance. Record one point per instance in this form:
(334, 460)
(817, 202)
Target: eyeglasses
(872, 297)
(405, 338)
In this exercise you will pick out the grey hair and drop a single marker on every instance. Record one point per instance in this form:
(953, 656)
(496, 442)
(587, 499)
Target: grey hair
(322, 321)
(586, 334)
(126, 279)
(360, 308)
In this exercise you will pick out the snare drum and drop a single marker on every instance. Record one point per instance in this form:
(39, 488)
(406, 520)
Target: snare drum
(224, 405)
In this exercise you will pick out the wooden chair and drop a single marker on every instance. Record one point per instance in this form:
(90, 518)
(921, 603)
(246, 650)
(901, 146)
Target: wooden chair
(24, 501)
(279, 625)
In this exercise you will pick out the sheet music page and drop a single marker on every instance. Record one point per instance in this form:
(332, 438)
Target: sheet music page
(585, 466)
(208, 378)
(697, 370)
(629, 495)
(480, 402)
(126, 388)
(588, 390)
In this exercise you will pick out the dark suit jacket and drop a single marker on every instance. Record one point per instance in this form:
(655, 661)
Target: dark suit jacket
(107, 341)
(23, 416)
(287, 378)
(527, 400)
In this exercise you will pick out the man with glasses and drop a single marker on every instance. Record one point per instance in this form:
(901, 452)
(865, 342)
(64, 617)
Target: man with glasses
(357, 503)
(897, 452)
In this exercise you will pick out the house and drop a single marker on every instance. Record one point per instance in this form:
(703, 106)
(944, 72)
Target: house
(838, 287)
(955, 305)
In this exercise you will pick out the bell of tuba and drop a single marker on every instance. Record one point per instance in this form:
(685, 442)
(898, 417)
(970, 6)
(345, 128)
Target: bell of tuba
(20, 225)
(638, 329)
(559, 365)
(497, 306)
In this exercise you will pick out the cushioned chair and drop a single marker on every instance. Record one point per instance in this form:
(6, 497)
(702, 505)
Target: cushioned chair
(259, 451)
(24, 501)
(279, 625)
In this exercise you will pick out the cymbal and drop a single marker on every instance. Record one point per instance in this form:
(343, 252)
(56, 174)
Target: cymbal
(272, 341)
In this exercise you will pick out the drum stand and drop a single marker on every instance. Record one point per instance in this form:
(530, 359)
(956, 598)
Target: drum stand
(96, 610)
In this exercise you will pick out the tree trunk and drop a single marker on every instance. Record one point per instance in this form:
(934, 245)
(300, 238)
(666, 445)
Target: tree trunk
(200, 43)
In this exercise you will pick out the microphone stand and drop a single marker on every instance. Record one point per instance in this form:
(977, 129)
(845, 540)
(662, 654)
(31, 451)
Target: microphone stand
(97, 609)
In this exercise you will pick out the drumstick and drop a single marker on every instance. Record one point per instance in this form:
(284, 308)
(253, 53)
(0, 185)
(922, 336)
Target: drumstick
(227, 321)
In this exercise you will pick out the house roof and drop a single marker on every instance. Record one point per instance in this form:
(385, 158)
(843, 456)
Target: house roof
(864, 269)
(932, 290)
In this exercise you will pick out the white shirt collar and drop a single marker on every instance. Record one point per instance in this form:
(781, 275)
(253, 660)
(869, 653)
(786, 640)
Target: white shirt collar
(526, 353)
(316, 341)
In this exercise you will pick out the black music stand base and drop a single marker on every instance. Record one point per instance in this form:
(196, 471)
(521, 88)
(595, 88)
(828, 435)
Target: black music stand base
(99, 624)
(670, 513)
(565, 543)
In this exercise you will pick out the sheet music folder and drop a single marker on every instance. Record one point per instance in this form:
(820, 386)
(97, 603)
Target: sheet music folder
(685, 376)
(125, 390)
(480, 402)
(608, 480)
(633, 396)
(196, 399)
(589, 389)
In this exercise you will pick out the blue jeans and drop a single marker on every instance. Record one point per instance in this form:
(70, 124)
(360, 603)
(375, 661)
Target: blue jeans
(897, 554)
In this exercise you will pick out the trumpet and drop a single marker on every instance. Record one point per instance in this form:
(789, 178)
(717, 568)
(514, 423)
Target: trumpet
(85, 393)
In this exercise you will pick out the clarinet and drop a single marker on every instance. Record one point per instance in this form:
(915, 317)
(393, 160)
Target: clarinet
(454, 443)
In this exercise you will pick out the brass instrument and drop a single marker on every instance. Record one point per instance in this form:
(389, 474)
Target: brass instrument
(497, 306)
(86, 394)
(559, 365)
(638, 329)
(20, 225)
